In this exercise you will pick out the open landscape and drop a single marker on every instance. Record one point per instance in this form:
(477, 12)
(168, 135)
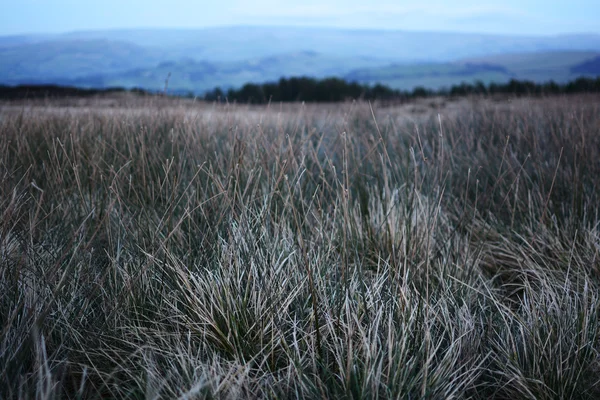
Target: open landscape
(325, 199)
(156, 247)
(198, 60)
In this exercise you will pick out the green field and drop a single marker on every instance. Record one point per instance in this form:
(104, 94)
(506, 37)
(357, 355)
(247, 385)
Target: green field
(165, 248)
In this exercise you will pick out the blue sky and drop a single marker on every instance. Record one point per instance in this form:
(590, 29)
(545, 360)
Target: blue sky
(508, 17)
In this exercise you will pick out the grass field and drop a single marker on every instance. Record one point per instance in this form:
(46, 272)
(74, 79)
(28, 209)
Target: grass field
(156, 248)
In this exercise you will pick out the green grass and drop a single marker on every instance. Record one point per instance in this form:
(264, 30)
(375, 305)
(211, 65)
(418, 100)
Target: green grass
(181, 250)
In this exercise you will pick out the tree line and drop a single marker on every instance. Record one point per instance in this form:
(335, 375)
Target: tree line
(335, 90)
(34, 91)
(322, 90)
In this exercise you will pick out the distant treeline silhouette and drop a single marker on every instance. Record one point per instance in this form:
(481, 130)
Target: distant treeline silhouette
(56, 91)
(320, 90)
(335, 89)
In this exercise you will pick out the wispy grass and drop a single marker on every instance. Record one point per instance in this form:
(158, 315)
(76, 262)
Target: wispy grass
(197, 251)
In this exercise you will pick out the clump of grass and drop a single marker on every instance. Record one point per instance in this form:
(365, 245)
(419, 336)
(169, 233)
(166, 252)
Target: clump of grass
(308, 252)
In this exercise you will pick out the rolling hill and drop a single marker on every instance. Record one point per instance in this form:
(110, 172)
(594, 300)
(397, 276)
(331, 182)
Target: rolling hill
(199, 76)
(57, 60)
(591, 66)
(249, 42)
(199, 60)
(560, 66)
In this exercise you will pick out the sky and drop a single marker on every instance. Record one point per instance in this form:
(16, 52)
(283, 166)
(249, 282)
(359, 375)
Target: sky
(529, 17)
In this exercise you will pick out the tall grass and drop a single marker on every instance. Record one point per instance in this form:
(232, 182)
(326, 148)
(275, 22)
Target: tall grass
(307, 252)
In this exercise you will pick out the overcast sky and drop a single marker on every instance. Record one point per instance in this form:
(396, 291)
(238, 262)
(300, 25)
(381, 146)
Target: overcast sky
(539, 17)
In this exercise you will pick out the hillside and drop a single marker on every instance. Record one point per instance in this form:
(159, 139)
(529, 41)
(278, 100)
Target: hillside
(591, 66)
(58, 60)
(538, 67)
(199, 60)
(199, 76)
(247, 42)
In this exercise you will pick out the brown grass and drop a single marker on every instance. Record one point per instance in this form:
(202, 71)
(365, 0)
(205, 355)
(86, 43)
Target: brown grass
(161, 248)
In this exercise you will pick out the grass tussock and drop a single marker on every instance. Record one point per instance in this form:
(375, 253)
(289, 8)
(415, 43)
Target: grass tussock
(307, 252)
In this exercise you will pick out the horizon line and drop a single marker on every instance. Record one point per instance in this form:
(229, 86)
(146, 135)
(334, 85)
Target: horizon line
(292, 27)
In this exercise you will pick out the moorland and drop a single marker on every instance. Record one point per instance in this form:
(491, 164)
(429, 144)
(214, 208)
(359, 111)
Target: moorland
(155, 247)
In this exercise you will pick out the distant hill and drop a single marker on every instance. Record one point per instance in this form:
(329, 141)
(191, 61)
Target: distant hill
(542, 66)
(432, 76)
(69, 59)
(247, 42)
(559, 66)
(197, 76)
(189, 75)
(198, 60)
(19, 40)
(589, 67)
